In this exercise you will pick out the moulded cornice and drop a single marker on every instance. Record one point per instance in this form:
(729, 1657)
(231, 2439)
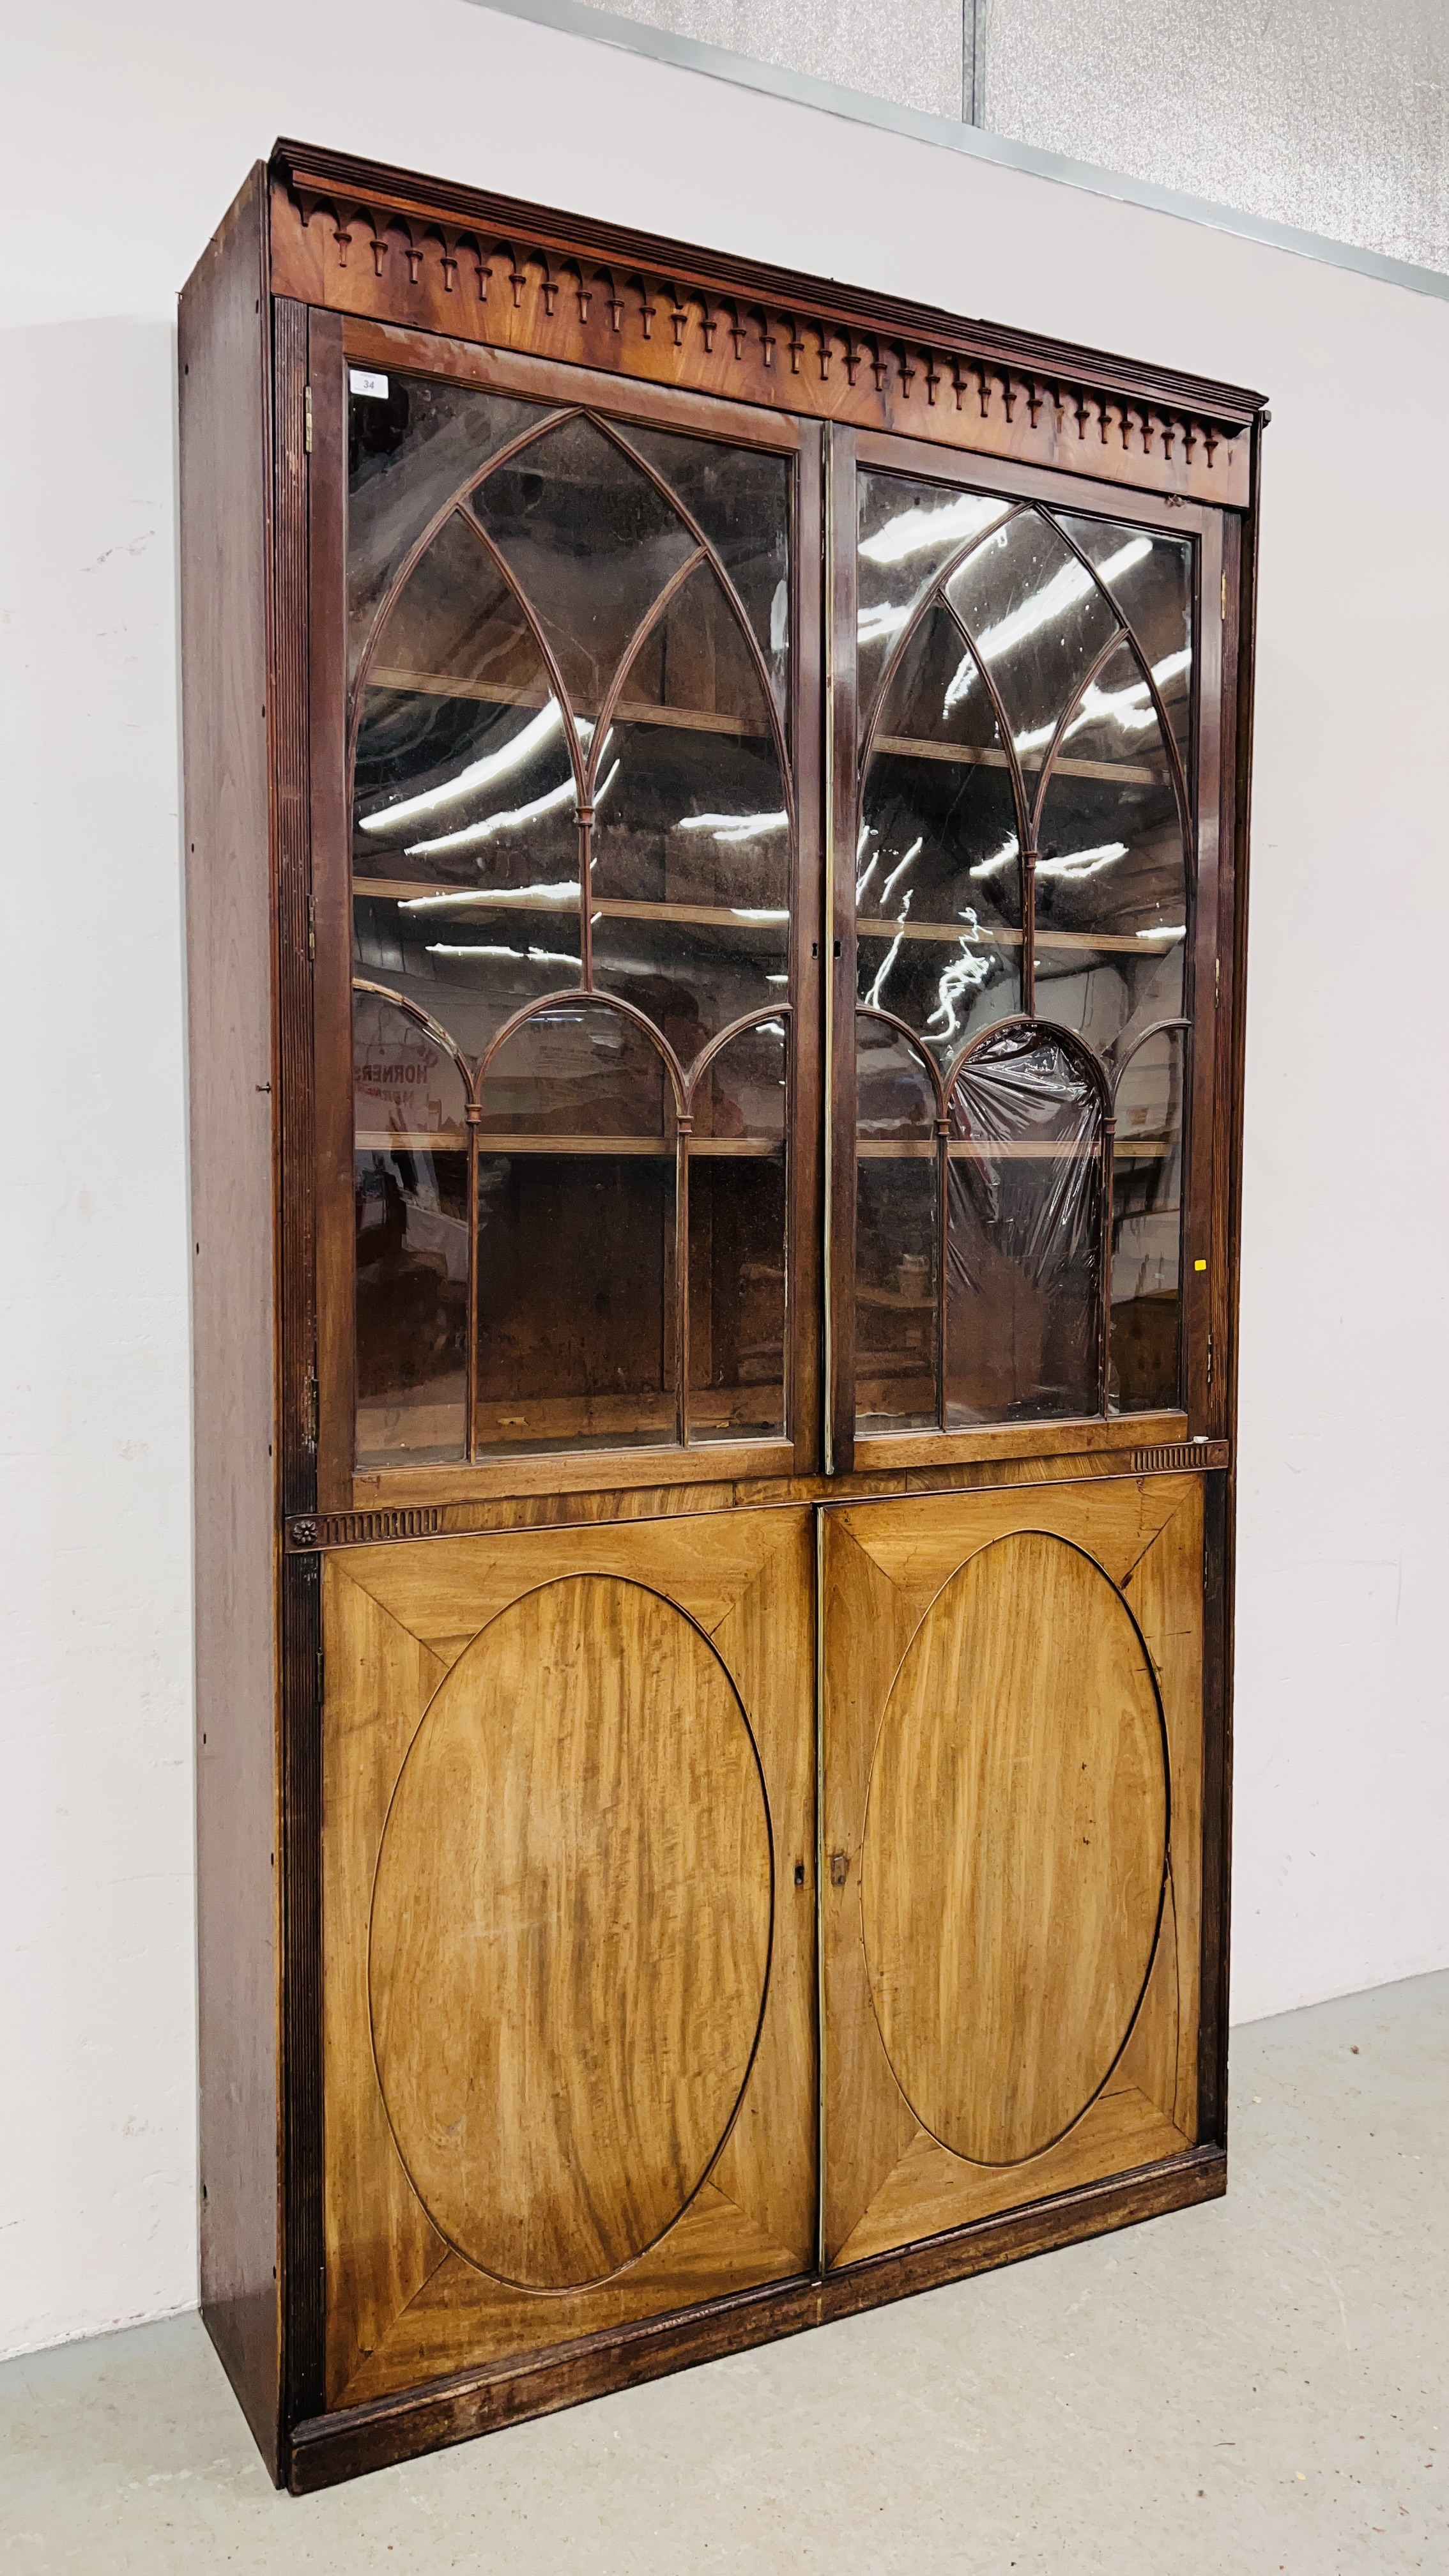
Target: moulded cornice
(364, 239)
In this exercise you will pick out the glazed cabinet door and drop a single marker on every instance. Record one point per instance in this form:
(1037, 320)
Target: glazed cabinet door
(570, 1215)
(1013, 1742)
(569, 1957)
(1027, 769)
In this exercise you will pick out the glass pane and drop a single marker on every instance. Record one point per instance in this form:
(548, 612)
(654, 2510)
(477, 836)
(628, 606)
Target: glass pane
(740, 498)
(410, 1181)
(407, 452)
(576, 1313)
(691, 882)
(591, 543)
(897, 1234)
(1038, 621)
(1111, 881)
(907, 532)
(1150, 578)
(938, 850)
(737, 1266)
(457, 630)
(1147, 1226)
(1024, 1247)
(465, 845)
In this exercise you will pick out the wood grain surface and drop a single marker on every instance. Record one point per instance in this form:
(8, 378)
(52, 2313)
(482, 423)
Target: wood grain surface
(1016, 1836)
(569, 1854)
(570, 1933)
(225, 486)
(997, 1788)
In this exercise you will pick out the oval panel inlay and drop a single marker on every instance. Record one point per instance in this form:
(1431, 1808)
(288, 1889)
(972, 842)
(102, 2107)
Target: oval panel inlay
(570, 1932)
(1015, 1849)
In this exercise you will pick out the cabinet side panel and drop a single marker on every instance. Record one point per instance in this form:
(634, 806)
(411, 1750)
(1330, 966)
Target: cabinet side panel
(224, 536)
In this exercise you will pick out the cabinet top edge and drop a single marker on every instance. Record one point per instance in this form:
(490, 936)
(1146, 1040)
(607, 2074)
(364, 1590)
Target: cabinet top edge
(407, 247)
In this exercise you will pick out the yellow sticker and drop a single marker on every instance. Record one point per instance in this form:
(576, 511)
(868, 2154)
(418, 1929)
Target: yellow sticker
(1199, 1265)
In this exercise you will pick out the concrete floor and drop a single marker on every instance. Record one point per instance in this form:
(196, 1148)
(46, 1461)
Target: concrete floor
(1255, 2385)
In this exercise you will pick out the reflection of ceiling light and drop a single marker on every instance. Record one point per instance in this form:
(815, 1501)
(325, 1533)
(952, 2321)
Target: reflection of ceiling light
(872, 999)
(516, 818)
(919, 531)
(534, 956)
(965, 974)
(1131, 710)
(475, 836)
(521, 897)
(1179, 932)
(1053, 600)
(734, 827)
(899, 870)
(874, 624)
(1075, 865)
(477, 778)
(777, 979)
(1003, 859)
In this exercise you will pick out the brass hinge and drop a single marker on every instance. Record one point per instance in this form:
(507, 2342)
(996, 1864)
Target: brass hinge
(311, 925)
(1217, 981)
(1210, 1360)
(307, 427)
(309, 442)
(309, 1411)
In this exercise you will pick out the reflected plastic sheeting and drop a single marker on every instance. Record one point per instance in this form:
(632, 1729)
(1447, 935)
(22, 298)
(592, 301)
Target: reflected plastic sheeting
(410, 1187)
(1024, 1245)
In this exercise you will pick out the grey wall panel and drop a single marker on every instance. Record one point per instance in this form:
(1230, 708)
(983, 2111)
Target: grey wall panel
(908, 51)
(1318, 113)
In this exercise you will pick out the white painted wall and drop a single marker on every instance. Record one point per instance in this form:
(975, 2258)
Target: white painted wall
(130, 131)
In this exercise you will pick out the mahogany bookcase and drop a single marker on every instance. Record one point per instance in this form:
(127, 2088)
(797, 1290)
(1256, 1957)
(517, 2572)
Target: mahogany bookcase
(716, 837)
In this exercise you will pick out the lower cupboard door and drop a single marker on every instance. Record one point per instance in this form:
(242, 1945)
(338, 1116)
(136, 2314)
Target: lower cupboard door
(568, 1935)
(1013, 1838)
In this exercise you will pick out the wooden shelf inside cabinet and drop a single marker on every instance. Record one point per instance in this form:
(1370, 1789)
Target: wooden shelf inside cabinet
(1012, 1149)
(435, 1140)
(492, 693)
(970, 755)
(477, 904)
(955, 934)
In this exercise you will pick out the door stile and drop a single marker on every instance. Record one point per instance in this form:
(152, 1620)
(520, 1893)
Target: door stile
(841, 732)
(806, 1120)
(821, 2022)
(681, 1276)
(1203, 1357)
(332, 916)
(308, 424)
